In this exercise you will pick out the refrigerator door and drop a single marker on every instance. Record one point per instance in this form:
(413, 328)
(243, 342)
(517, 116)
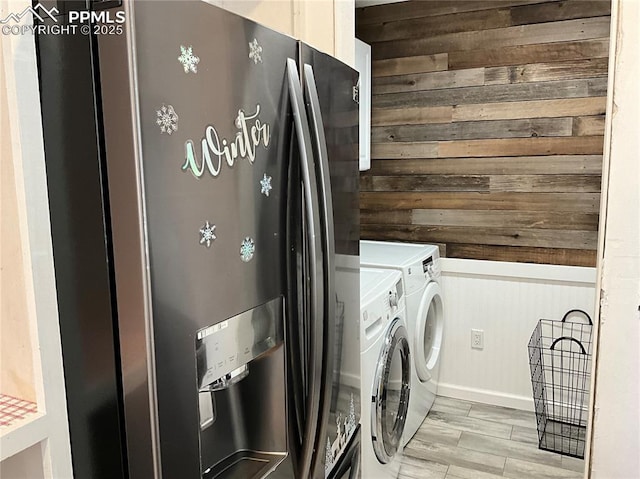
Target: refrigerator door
(333, 111)
(79, 229)
(309, 309)
(197, 130)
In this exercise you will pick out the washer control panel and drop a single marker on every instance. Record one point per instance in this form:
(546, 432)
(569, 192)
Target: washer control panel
(418, 273)
(392, 302)
(430, 268)
(393, 299)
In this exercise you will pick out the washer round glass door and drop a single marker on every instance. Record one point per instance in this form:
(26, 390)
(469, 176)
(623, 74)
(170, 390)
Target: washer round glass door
(390, 395)
(428, 332)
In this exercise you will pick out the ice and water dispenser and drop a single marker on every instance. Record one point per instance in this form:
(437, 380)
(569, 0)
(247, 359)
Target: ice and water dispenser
(242, 394)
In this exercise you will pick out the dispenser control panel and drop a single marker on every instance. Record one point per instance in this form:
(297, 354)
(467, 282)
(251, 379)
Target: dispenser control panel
(228, 345)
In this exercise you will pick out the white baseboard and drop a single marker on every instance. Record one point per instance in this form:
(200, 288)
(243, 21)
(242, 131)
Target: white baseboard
(349, 379)
(485, 396)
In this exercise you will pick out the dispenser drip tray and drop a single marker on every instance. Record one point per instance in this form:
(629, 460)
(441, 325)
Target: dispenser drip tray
(245, 465)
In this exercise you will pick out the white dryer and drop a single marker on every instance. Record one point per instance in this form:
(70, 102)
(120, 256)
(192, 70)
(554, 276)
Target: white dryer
(385, 372)
(420, 268)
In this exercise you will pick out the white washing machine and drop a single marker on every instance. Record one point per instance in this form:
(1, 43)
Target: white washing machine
(420, 268)
(385, 372)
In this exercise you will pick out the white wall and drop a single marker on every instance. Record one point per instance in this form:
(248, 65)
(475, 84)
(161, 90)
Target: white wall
(328, 25)
(615, 444)
(505, 300)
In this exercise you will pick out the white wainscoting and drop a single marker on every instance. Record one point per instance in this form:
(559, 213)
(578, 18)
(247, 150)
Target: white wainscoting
(505, 300)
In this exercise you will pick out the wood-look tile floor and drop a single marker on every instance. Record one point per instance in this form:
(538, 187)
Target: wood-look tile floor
(467, 440)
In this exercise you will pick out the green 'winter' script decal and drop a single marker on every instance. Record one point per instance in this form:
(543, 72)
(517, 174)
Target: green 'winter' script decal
(250, 135)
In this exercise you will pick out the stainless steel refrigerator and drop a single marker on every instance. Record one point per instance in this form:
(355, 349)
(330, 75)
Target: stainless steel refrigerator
(225, 185)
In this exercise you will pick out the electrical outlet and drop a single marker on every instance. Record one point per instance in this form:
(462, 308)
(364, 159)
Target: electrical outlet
(477, 339)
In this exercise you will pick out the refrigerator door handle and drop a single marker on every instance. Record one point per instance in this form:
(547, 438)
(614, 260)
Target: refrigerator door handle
(316, 263)
(326, 212)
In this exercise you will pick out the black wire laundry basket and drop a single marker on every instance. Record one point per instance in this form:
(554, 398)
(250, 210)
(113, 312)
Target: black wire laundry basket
(560, 362)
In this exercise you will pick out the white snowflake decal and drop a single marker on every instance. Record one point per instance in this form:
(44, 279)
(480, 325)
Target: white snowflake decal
(188, 59)
(238, 120)
(255, 51)
(247, 249)
(265, 185)
(167, 119)
(207, 233)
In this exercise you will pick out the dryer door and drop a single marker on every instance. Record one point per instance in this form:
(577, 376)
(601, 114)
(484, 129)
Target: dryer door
(428, 333)
(390, 395)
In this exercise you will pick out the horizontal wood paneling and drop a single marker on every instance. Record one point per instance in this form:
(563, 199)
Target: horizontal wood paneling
(554, 11)
(483, 183)
(387, 13)
(588, 125)
(408, 150)
(426, 183)
(385, 217)
(545, 183)
(415, 27)
(518, 54)
(519, 254)
(401, 200)
(402, 66)
(548, 71)
(517, 219)
(517, 92)
(508, 236)
(520, 165)
(586, 145)
(429, 81)
(552, 32)
(488, 125)
(529, 109)
(489, 218)
(482, 20)
(535, 72)
(412, 116)
(489, 111)
(471, 130)
(597, 87)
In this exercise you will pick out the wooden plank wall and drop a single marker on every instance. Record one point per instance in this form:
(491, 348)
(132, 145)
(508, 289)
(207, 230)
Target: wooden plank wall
(487, 126)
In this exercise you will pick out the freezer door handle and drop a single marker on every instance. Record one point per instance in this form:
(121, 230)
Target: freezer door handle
(316, 290)
(326, 213)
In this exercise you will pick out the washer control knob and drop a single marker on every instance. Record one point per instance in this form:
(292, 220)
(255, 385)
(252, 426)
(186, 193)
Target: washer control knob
(430, 271)
(393, 299)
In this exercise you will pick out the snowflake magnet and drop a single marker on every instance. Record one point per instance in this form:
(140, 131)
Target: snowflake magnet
(247, 249)
(207, 233)
(255, 51)
(167, 119)
(265, 185)
(188, 59)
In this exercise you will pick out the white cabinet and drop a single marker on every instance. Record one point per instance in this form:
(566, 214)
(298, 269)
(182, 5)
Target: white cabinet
(34, 435)
(328, 25)
(363, 65)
